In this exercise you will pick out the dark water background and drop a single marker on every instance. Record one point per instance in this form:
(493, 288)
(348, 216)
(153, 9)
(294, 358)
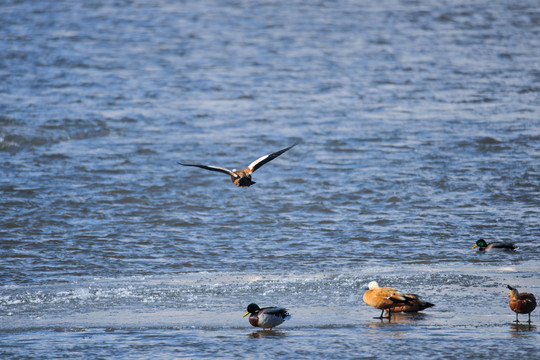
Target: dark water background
(419, 131)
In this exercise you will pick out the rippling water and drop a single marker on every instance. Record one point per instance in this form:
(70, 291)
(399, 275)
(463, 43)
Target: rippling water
(419, 132)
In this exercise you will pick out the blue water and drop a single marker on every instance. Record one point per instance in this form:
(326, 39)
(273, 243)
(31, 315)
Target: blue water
(418, 126)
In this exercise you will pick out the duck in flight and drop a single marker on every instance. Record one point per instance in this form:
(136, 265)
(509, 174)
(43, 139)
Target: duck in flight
(242, 178)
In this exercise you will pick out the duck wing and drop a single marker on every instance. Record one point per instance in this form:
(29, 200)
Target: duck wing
(414, 302)
(397, 297)
(276, 311)
(504, 246)
(212, 168)
(266, 158)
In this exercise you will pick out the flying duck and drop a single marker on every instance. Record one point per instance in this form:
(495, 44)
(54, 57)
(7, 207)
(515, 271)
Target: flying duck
(523, 303)
(483, 246)
(267, 317)
(242, 178)
(384, 298)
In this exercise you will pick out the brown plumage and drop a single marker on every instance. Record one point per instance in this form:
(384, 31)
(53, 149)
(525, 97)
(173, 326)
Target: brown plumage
(242, 178)
(391, 300)
(383, 298)
(414, 304)
(523, 303)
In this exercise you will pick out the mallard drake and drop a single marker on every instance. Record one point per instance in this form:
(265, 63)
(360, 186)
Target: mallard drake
(267, 317)
(482, 245)
(384, 298)
(242, 178)
(414, 304)
(523, 303)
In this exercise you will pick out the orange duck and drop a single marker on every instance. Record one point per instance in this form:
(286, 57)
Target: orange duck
(242, 178)
(391, 300)
(523, 303)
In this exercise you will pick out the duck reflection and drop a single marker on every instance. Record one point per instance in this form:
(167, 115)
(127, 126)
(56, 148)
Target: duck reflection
(267, 334)
(517, 328)
(409, 317)
(397, 318)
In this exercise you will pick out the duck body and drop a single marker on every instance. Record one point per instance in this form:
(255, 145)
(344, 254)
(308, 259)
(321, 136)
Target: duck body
(383, 298)
(521, 303)
(482, 245)
(268, 317)
(242, 178)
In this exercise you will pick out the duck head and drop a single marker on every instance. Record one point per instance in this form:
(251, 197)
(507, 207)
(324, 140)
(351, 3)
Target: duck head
(513, 292)
(480, 243)
(252, 308)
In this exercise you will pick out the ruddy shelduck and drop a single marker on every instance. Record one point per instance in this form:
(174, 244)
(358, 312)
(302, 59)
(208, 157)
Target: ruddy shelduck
(521, 303)
(242, 178)
(391, 300)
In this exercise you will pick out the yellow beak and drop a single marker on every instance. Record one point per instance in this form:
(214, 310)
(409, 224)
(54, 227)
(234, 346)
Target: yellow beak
(247, 312)
(474, 246)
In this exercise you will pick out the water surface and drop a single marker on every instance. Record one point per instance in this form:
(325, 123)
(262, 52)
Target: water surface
(418, 129)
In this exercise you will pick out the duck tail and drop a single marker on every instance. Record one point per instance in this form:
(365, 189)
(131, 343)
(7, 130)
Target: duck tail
(427, 305)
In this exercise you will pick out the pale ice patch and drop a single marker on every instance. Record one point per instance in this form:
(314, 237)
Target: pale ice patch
(82, 293)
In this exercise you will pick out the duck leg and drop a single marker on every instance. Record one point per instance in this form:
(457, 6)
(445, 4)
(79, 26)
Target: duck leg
(384, 317)
(517, 320)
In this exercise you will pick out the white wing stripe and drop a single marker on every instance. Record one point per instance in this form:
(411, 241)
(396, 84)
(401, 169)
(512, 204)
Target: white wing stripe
(218, 167)
(222, 168)
(252, 165)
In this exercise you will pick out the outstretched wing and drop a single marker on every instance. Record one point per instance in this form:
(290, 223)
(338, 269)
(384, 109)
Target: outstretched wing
(266, 158)
(212, 168)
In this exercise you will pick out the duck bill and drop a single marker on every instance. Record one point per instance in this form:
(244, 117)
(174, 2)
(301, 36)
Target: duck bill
(246, 314)
(475, 246)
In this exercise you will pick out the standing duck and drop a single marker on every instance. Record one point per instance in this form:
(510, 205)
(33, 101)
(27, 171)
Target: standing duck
(267, 317)
(523, 303)
(242, 178)
(482, 245)
(384, 298)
